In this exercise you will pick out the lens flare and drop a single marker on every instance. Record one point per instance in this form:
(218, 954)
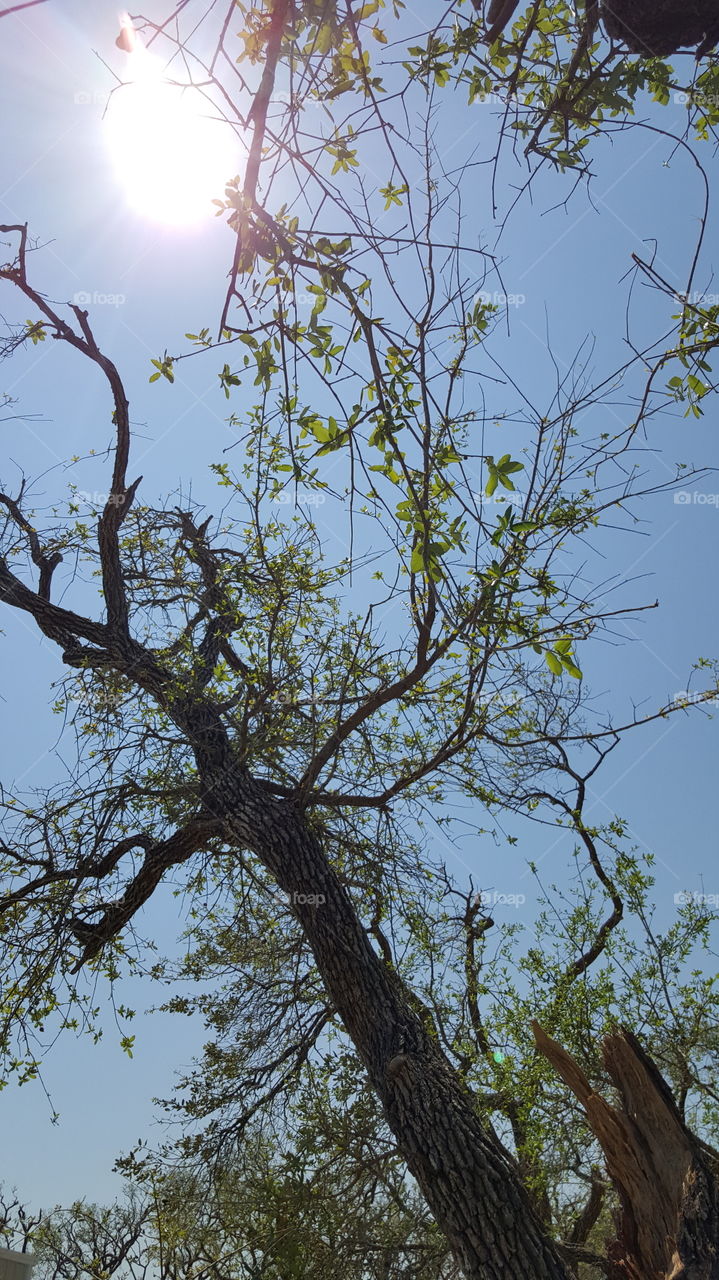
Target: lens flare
(172, 153)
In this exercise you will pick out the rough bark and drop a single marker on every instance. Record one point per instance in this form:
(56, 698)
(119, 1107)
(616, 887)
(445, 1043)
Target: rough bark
(668, 1226)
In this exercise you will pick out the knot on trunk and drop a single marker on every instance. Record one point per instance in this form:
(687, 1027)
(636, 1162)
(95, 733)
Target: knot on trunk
(399, 1069)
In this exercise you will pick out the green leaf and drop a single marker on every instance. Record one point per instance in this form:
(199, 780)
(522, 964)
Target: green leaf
(417, 561)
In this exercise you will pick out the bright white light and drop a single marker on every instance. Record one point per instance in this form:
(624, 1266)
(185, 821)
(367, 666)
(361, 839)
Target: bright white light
(172, 155)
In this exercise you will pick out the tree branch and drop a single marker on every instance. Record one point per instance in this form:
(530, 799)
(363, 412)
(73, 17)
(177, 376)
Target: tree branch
(175, 849)
(121, 495)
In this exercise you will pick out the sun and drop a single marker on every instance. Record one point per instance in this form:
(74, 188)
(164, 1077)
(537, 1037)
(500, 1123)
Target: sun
(171, 152)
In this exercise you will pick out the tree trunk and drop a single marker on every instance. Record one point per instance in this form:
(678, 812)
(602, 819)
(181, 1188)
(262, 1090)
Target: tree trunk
(469, 1182)
(669, 1220)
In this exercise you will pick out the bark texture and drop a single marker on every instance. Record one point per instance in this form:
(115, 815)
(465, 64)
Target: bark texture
(668, 1225)
(657, 28)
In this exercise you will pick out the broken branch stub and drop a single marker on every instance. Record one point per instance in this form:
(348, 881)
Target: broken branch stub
(668, 1224)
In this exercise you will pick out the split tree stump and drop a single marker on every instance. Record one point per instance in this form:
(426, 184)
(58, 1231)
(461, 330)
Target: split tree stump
(668, 1224)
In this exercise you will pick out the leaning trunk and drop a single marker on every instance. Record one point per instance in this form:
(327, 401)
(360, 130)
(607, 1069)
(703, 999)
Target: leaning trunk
(471, 1188)
(470, 1185)
(472, 1191)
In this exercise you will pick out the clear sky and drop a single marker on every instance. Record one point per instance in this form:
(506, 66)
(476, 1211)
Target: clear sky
(145, 285)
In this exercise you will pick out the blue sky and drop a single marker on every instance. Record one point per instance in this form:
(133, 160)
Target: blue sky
(147, 285)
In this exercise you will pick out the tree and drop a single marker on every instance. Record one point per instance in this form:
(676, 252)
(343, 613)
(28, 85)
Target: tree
(256, 1221)
(246, 720)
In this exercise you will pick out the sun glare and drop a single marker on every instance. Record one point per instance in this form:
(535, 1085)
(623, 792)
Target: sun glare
(172, 155)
